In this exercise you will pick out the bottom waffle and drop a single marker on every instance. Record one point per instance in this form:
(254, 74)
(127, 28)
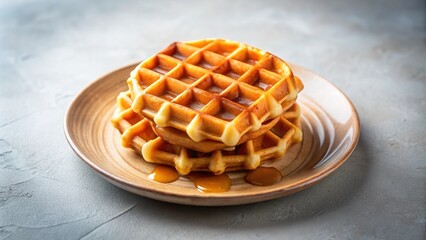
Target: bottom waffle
(181, 138)
(139, 133)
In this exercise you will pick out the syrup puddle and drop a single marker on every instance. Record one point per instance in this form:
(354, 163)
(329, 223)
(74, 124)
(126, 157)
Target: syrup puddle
(164, 174)
(210, 183)
(264, 176)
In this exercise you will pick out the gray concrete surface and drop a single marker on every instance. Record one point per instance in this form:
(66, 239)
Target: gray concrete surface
(375, 51)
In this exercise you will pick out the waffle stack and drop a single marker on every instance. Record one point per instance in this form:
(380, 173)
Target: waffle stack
(210, 105)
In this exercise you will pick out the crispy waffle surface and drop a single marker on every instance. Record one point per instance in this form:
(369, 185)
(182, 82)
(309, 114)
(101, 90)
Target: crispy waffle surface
(138, 132)
(213, 89)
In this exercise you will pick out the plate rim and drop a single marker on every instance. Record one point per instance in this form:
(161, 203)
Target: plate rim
(276, 193)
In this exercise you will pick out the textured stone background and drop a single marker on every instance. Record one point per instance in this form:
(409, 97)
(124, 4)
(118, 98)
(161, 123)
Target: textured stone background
(375, 51)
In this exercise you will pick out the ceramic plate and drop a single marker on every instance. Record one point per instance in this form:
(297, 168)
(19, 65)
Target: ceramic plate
(330, 127)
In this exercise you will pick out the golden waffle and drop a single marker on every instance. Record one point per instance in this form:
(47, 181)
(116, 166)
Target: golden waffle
(180, 138)
(138, 133)
(213, 89)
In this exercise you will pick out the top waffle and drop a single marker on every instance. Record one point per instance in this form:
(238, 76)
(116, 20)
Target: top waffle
(213, 89)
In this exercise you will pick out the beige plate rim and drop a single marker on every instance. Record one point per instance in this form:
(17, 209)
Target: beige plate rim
(162, 195)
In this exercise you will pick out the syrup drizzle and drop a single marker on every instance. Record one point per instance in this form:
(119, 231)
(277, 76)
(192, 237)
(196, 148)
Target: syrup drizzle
(210, 183)
(164, 174)
(264, 176)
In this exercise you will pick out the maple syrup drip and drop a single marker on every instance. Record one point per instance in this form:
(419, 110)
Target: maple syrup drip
(210, 183)
(164, 174)
(263, 176)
